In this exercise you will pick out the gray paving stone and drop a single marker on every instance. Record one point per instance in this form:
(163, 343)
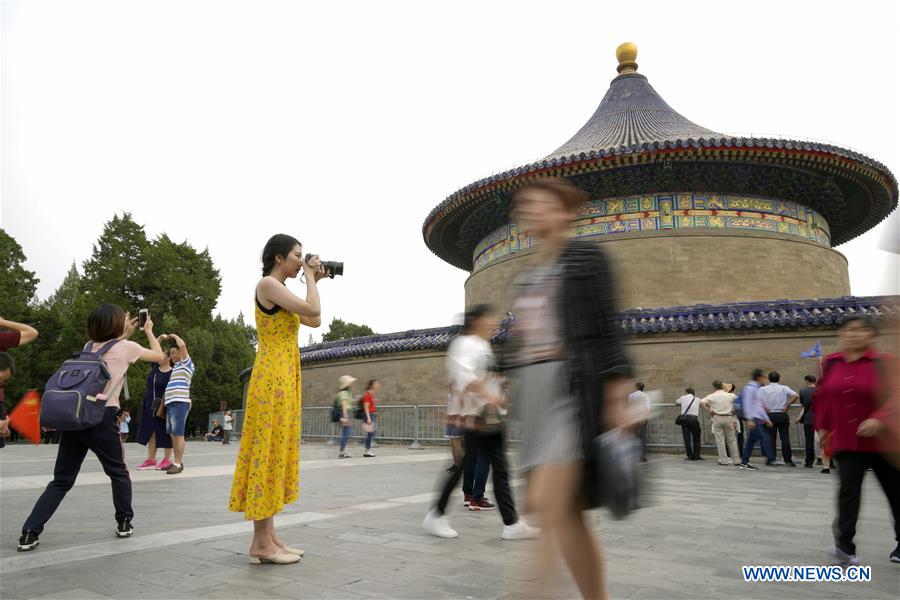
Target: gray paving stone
(72, 594)
(703, 524)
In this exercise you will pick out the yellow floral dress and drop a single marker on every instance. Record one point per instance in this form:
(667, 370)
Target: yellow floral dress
(267, 473)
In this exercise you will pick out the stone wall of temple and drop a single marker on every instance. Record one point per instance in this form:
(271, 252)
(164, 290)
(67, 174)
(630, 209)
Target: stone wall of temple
(656, 269)
(668, 362)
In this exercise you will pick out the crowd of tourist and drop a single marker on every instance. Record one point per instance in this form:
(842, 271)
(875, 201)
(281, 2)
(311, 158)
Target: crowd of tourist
(849, 416)
(564, 370)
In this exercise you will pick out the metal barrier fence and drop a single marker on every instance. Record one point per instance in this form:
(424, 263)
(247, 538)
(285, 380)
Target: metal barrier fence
(426, 423)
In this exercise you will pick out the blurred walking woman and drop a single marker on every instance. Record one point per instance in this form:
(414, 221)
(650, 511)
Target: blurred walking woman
(107, 322)
(266, 476)
(569, 373)
(856, 414)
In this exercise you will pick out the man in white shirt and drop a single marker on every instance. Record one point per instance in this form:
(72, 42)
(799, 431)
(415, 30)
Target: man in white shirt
(777, 399)
(720, 406)
(689, 406)
(639, 399)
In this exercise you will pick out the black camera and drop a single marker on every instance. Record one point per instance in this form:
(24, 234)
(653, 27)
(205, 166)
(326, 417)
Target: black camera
(331, 267)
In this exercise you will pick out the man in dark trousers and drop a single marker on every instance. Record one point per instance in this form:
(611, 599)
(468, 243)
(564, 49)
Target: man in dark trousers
(806, 418)
(777, 399)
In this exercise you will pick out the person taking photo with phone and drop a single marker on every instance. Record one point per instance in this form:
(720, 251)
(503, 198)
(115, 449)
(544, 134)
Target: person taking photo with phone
(178, 401)
(107, 322)
(152, 428)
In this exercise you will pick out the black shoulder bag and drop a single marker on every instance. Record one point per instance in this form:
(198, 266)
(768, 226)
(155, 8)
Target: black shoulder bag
(682, 419)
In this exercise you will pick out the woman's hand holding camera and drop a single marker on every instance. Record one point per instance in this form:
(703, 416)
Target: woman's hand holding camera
(312, 267)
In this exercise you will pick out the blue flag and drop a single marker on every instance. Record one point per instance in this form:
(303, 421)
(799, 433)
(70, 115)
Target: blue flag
(814, 352)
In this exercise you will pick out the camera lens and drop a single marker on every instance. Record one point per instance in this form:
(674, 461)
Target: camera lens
(333, 268)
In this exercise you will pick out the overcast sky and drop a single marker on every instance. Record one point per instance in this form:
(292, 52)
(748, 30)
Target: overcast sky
(345, 123)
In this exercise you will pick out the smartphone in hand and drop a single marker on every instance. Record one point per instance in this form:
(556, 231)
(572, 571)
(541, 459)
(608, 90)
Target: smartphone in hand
(142, 318)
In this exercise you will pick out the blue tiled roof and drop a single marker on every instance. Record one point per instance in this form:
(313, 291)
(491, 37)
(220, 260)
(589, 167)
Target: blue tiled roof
(635, 143)
(775, 314)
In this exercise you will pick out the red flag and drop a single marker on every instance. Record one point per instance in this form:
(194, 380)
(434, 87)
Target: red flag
(26, 416)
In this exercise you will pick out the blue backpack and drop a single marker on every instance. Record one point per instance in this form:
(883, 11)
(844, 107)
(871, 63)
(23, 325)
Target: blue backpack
(337, 411)
(70, 399)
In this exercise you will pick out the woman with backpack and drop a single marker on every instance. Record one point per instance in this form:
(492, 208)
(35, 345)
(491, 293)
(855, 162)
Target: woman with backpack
(108, 327)
(343, 403)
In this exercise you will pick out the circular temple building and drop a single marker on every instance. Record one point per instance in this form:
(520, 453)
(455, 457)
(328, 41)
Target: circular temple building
(723, 247)
(688, 215)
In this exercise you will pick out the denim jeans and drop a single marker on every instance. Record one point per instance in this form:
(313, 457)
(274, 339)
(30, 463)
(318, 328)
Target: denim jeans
(760, 434)
(475, 475)
(494, 446)
(345, 436)
(176, 417)
(370, 436)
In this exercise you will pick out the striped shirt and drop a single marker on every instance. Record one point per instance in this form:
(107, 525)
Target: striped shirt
(179, 386)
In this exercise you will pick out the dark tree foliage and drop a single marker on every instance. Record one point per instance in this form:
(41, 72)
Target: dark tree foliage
(339, 330)
(178, 284)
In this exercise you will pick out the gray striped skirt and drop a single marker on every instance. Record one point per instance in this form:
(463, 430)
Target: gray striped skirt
(540, 400)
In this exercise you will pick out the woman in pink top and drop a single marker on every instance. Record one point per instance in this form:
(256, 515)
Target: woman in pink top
(106, 322)
(856, 413)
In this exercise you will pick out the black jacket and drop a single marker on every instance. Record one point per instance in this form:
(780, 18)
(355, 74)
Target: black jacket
(592, 334)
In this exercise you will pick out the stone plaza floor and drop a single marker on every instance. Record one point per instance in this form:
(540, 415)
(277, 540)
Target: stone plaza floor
(359, 522)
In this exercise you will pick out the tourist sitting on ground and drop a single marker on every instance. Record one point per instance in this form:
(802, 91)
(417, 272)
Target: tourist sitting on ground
(216, 434)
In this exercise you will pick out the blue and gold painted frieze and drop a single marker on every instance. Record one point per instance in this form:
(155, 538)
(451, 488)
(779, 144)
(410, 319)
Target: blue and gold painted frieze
(662, 212)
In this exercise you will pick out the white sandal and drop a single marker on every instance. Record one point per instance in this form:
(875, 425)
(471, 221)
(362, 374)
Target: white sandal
(290, 550)
(279, 558)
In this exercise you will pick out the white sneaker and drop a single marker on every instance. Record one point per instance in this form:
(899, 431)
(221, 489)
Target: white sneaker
(520, 530)
(437, 524)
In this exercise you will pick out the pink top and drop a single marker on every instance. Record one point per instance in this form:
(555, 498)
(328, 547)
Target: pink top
(118, 359)
(851, 392)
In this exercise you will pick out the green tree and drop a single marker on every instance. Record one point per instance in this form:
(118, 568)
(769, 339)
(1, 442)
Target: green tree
(17, 303)
(180, 282)
(179, 285)
(116, 269)
(60, 323)
(17, 283)
(339, 330)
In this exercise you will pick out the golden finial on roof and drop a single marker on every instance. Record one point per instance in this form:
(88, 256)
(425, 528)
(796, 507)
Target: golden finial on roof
(626, 54)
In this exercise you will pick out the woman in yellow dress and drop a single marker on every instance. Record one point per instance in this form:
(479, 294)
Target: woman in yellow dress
(267, 473)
